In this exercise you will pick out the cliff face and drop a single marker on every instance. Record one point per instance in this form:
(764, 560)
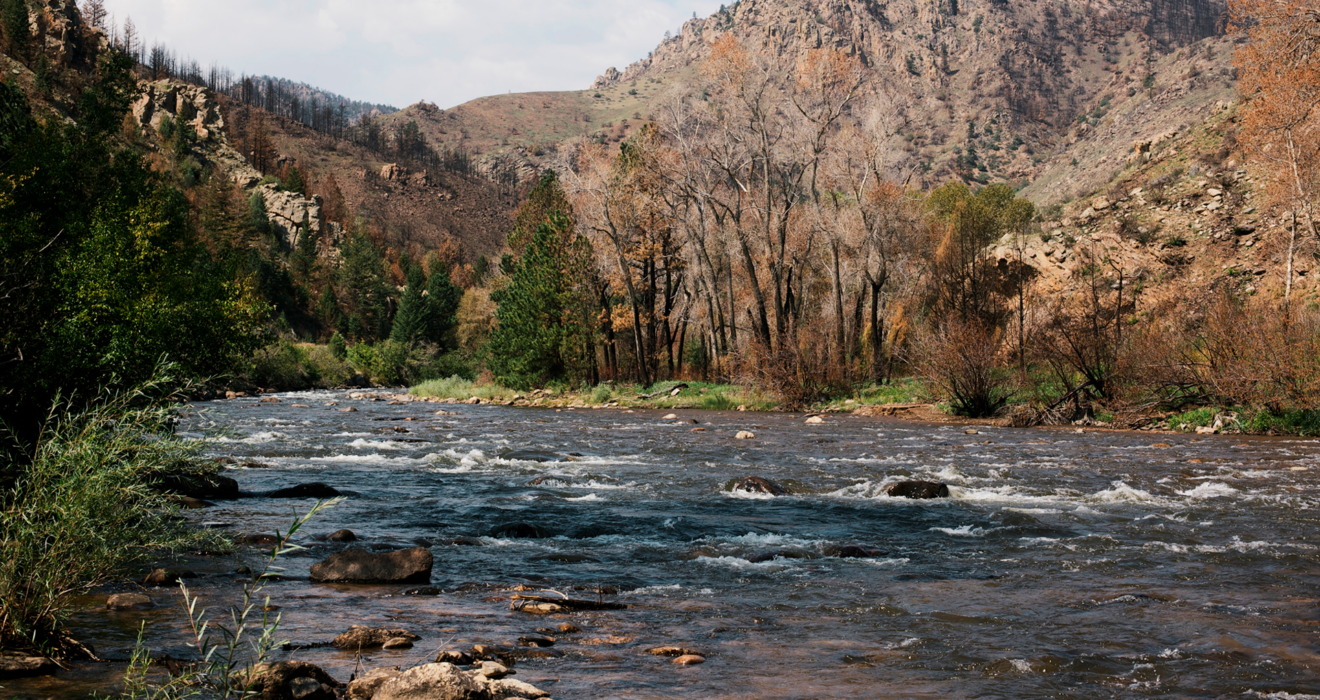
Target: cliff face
(1029, 68)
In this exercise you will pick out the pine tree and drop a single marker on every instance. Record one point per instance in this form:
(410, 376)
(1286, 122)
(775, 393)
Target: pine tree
(443, 298)
(18, 34)
(546, 197)
(303, 260)
(362, 278)
(258, 217)
(410, 323)
(294, 182)
(327, 309)
(543, 333)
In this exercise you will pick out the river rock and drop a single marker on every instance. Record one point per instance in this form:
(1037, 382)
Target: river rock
(690, 659)
(917, 489)
(15, 665)
(397, 643)
(310, 689)
(778, 554)
(671, 651)
(744, 435)
(342, 536)
(430, 682)
(359, 637)
(424, 591)
(199, 486)
(277, 681)
(815, 420)
(520, 531)
(365, 687)
(312, 490)
(535, 641)
(161, 577)
(756, 484)
(493, 670)
(130, 601)
(569, 628)
(360, 566)
(852, 551)
(456, 658)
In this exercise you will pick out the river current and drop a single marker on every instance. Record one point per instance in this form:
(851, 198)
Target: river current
(1065, 564)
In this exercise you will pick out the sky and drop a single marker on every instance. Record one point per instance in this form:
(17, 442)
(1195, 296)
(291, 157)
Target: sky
(400, 52)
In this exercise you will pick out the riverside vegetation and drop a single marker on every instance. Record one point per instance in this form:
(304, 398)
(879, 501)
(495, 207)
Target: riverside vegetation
(755, 245)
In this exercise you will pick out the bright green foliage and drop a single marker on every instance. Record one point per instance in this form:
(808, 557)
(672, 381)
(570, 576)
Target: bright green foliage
(545, 319)
(362, 279)
(338, 347)
(443, 297)
(961, 284)
(101, 274)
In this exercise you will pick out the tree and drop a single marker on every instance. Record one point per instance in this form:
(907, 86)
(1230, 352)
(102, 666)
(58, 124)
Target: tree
(443, 297)
(362, 278)
(94, 13)
(258, 218)
(411, 321)
(542, 334)
(294, 181)
(327, 309)
(545, 198)
(14, 18)
(304, 260)
(1279, 77)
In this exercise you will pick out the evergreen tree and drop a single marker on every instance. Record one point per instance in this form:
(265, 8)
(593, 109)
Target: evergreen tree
(14, 17)
(294, 182)
(338, 347)
(543, 333)
(362, 278)
(258, 217)
(410, 323)
(304, 255)
(443, 298)
(327, 309)
(546, 198)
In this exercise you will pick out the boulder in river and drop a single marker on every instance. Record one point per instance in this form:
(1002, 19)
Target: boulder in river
(16, 665)
(917, 489)
(359, 637)
(756, 484)
(130, 601)
(161, 577)
(672, 651)
(312, 490)
(520, 531)
(198, 486)
(853, 551)
(280, 681)
(690, 660)
(430, 681)
(745, 435)
(365, 687)
(360, 566)
(342, 536)
(778, 554)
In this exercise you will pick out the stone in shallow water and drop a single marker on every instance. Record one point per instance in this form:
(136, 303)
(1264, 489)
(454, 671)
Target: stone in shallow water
(13, 665)
(277, 680)
(690, 660)
(917, 489)
(130, 601)
(362, 637)
(313, 490)
(360, 566)
(756, 484)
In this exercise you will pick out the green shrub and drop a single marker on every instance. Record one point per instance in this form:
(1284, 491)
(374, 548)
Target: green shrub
(338, 347)
(601, 394)
(283, 367)
(462, 389)
(79, 513)
(717, 401)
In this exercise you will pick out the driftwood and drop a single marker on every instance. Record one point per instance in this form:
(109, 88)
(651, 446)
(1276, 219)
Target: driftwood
(542, 605)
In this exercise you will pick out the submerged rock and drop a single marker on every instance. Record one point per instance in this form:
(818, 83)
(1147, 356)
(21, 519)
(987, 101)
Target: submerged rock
(161, 577)
(360, 566)
(312, 490)
(853, 551)
(523, 531)
(424, 591)
(280, 681)
(14, 665)
(690, 659)
(342, 536)
(130, 601)
(198, 486)
(359, 637)
(672, 652)
(778, 554)
(756, 484)
(917, 489)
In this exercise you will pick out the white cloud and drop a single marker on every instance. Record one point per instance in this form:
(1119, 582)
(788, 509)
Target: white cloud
(403, 51)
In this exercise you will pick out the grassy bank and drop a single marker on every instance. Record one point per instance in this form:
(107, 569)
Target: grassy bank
(289, 366)
(661, 395)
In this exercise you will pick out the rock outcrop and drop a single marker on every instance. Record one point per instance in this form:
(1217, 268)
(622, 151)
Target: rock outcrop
(360, 566)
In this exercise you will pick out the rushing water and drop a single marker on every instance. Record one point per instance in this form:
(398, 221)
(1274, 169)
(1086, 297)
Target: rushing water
(1065, 564)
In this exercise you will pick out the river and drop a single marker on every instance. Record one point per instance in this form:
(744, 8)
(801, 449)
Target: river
(1066, 564)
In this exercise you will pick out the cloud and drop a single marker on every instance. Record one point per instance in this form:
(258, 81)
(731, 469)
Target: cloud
(403, 51)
